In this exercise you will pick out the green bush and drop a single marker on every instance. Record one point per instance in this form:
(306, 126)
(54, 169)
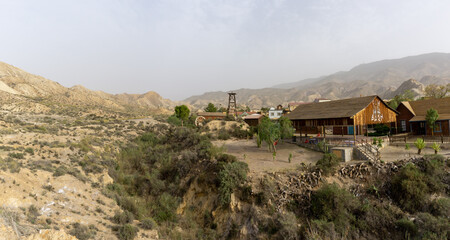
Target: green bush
(288, 227)
(16, 155)
(430, 227)
(173, 120)
(328, 164)
(123, 217)
(148, 223)
(440, 207)
(61, 170)
(127, 232)
(10, 163)
(83, 232)
(409, 188)
(223, 134)
(331, 203)
(436, 147)
(319, 229)
(433, 167)
(406, 226)
(29, 151)
(226, 158)
(230, 177)
(165, 208)
(420, 144)
(381, 129)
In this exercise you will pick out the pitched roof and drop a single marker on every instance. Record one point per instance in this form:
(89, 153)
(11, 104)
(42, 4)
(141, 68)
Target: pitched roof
(211, 114)
(333, 109)
(253, 116)
(420, 108)
(408, 106)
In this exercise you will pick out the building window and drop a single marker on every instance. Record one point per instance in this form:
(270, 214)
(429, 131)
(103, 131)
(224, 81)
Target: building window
(271, 114)
(403, 122)
(438, 127)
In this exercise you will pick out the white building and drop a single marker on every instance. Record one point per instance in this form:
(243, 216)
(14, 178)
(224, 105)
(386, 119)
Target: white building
(275, 113)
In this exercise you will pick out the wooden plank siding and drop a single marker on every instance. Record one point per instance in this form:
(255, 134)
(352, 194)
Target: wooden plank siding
(404, 115)
(373, 111)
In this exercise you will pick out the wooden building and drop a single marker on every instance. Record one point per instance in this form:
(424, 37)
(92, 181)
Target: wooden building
(353, 116)
(412, 115)
(212, 115)
(253, 120)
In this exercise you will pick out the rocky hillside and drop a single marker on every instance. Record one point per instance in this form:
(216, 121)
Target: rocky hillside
(383, 78)
(22, 91)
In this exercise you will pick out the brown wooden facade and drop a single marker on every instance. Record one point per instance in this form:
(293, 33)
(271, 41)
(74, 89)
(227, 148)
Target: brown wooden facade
(404, 115)
(343, 117)
(412, 117)
(253, 120)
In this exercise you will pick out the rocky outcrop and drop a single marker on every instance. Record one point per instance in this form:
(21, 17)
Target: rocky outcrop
(416, 87)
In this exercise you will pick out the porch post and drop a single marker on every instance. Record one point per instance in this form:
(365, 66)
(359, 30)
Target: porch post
(354, 131)
(396, 128)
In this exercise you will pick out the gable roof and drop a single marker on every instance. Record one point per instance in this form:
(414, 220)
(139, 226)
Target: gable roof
(253, 116)
(419, 108)
(333, 109)
(408, 106)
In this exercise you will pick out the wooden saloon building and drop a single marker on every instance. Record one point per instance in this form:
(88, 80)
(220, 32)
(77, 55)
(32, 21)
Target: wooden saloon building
(353, 116)
(412, 115)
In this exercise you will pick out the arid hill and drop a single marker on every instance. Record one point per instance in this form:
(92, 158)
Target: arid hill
(22, 91)
(382, 78)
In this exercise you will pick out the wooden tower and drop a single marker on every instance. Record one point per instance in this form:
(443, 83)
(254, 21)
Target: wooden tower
(232, 104)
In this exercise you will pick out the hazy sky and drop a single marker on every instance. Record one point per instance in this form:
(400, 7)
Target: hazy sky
(187, 47)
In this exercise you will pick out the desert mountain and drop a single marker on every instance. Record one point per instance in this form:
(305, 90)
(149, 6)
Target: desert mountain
(384, 78)
(22, 91)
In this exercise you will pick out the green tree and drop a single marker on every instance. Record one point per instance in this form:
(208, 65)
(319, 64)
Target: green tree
(269, 132)
(407, 95)
(286, 129)
(222, 109)
(431, 118)
(182, 112)
(437, 91)
(211, 108)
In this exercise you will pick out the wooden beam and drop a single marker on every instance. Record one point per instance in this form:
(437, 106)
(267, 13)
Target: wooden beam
(354, 131)
(396, 127)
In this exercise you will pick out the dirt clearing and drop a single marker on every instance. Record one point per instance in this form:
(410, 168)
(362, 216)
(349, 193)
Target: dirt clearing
(260, 159)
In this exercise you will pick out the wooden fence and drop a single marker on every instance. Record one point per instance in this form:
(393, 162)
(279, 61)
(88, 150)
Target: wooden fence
(412, 138)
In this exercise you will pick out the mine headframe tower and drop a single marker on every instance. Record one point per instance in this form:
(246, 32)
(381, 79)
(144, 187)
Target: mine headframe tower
(232, 109)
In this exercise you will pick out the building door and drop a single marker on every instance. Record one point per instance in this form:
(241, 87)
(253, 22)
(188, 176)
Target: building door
(350, 130)
(421, 130)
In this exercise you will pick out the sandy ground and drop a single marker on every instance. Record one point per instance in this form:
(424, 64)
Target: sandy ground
(260, 159)
(393, 153)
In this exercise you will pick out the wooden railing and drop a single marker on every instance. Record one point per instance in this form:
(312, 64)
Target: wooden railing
(412, 138)
(364, 145)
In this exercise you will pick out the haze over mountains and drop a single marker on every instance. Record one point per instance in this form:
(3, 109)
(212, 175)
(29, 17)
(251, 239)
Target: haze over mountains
(22, 91)
(385, 78)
